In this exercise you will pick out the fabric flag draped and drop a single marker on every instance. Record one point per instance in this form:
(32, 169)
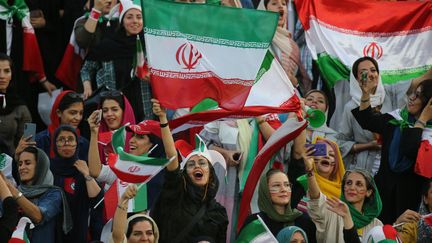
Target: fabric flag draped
(398, 36)
(272, 92)
(20, 234)
(132, 168)
(216, 55)
(114, 193)
(32, 59)
(139, 63)
(256, 232)
(70, 66)
(287, 132)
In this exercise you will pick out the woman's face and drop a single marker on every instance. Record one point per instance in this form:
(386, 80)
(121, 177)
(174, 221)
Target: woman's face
(297, 237)
(372, 73)
(316, 100)
(355, 188)
(326, 164)
(72, 115)
(278, 6)
(198, 170)
(133, 22)
(280, 189)
(66, 144)
(142, 232)
(112, 114)
(27, 167)
(5, 75)
(139, 144)
(428, 198)
(415, 104)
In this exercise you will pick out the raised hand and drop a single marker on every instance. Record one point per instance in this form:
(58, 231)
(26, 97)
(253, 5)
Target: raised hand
(426, 114)
(94, 121)
(408, 216)
(308, 160)
(130, 192)
(158, 110)
(337, 206)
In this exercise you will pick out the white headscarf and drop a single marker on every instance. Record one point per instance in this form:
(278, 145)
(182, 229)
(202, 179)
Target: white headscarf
(356, 92)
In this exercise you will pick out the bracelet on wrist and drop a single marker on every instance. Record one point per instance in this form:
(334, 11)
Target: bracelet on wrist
(122, 208)
(164, 124)
(366, 100)
(95, 14)
(421, 123)
(310, 173)
(20, 195)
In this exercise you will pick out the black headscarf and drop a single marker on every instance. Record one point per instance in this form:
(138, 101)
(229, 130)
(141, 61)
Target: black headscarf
(10, 101)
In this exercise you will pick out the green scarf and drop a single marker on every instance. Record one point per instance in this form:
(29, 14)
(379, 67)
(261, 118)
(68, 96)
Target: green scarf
(407, 120)
(371, 208)
(18, 9)
(265, 205)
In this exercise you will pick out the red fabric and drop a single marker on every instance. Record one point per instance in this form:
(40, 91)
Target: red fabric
(428, 220)
(146, 127)
(32, 60)
(69, 68)
(423, 165)
(390, 232)
(69, 185)
(128, 117)
(124, 176)
(111, 200)
(232, 98)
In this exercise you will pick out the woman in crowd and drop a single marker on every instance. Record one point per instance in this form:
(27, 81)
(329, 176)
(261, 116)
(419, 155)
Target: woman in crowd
(72, 174)
(113, 68)
(414, 227)
(401, 135)
(13, 111)
(137, 228)
(67, 110)
(274, 203)
(38, 199)
(292, 234)
(186, 207)
(9, 211)
(358, 192)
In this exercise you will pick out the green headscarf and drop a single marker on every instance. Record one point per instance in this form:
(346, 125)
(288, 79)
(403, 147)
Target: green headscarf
(19, 8)
(265, 205)
(371, 207)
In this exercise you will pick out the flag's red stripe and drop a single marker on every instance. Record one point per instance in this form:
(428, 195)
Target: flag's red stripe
(69, 68)
(32, 60)
(258, 167)
(124, 176)
(111, 200)
(367, 16)
(180, 93)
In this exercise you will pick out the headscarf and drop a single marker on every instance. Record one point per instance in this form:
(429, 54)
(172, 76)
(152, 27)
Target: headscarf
(287, 233)
(424, 230)
(64, 166)
(42, 182)
(199, 194)
(55, 120)
(372, 206)
(376, 99)
(155, 227)
(331, 188)
(265, 205)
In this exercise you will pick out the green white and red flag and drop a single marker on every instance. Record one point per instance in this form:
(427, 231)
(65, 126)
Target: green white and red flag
(397, 34)
(20, 234)
(32, 58)
(209, 52)
(256, 232)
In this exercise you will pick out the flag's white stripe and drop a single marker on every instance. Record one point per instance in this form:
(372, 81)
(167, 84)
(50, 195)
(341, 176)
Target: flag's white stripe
(281, 88)
(136, 168)
(263, 238)
(398, 52)
(241, 61)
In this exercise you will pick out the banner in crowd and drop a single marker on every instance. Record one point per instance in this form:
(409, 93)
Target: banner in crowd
(216, 55)
(32, 58)
(20, 235)
(397, 34)
(271, 93)
(256, 232)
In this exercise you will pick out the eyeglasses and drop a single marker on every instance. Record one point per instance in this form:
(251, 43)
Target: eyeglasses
(111, 93)
(69, 140)
(191, 164)
(279, 187)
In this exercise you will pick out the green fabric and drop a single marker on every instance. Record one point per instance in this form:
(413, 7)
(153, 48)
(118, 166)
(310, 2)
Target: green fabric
(405, 122)
(265, 205)
(371, 209)
(18, 9)
(253, 151)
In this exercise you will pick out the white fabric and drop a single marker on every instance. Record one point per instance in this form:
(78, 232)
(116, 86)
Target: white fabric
(106, 175)
(375, 99)
(127, 4)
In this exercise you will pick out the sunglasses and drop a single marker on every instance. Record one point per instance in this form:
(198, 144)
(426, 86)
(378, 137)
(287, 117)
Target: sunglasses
(111, 93)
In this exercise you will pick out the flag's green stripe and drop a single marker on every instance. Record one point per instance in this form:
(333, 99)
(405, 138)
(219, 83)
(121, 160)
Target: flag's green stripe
(265, 65)
(205, 105)
(25, 238)
(118, 138)
(142, 159)
(253, 150)
(235, 24)
(140, 200)
(333, 70)
(250, 232)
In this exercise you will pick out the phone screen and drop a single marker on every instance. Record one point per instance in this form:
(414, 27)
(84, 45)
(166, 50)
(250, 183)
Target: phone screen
(30, 130)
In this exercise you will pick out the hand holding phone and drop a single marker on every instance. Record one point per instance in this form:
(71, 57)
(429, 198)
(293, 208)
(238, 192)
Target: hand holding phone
(364, 77)
(29, 131)
(98, 117)
(320, 149)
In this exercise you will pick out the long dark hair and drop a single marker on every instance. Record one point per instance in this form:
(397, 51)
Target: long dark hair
(69, 99)
(426, 92)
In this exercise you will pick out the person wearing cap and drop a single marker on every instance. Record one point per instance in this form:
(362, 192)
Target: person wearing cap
(110, 63)
(186, 207)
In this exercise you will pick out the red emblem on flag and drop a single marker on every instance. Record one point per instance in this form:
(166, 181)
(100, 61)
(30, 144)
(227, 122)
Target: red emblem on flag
(134, 168)
(373, 50)
(188, 56)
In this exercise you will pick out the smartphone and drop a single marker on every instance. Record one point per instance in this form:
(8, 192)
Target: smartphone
(99, 117)
(364, 75)
(30, 130)
(320, 149)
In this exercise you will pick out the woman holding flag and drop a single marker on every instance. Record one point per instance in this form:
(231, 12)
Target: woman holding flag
(186, 207)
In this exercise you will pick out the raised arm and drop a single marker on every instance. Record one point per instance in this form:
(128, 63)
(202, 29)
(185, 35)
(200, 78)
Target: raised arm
(313, 188)
(94, 163)
(167, 138)
(120, 215)
(28, 208)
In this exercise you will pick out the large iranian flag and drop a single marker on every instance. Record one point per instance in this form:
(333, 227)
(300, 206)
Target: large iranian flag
(397, 34)
(198, 51)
